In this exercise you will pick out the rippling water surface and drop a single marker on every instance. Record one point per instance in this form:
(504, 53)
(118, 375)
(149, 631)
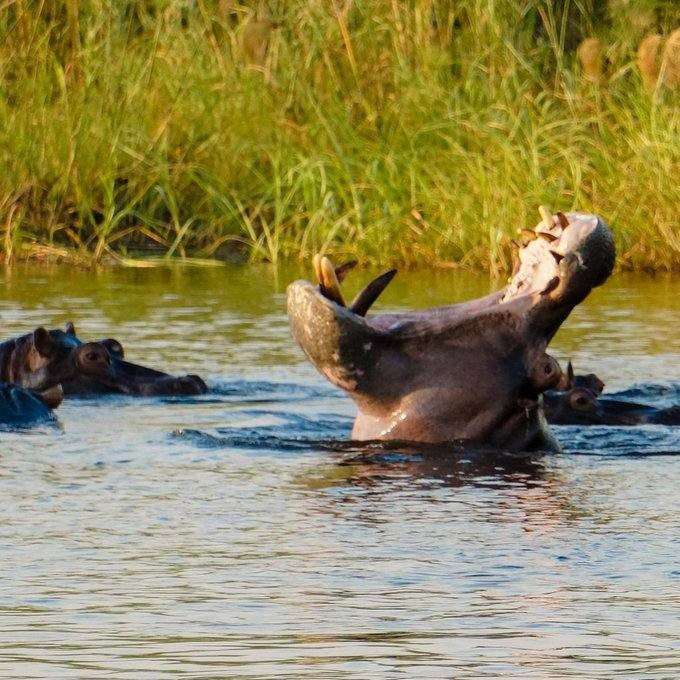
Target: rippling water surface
(228, 536)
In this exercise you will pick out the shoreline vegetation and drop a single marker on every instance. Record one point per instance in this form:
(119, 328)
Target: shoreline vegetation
(397, 133)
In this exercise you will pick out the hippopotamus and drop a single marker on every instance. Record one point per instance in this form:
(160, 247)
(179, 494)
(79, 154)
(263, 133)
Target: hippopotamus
(43, 359)
(20, 407)
(583, 406)
(472, 371)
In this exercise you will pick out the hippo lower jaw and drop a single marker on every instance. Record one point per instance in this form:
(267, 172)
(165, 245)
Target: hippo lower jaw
(472, 371)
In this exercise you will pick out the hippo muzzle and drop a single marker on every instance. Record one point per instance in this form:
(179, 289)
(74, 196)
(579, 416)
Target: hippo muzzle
(471, 372)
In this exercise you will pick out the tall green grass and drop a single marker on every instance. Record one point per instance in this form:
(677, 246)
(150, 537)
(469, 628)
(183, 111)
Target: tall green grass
(396, 132)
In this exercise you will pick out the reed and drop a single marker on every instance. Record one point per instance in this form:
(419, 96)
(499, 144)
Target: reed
(393, 132)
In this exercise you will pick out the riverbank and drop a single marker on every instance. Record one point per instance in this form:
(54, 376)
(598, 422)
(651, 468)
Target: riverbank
(394, 135)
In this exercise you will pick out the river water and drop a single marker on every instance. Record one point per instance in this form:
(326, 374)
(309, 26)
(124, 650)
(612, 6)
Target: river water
(216, 537)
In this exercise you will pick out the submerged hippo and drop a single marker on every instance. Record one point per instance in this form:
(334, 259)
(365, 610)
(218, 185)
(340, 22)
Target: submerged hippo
(43, 359)
(582, 406)
(20, 407)
(472, 371)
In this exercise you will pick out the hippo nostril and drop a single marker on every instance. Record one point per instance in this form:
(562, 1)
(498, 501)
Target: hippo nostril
(92, 356)
(548, 369)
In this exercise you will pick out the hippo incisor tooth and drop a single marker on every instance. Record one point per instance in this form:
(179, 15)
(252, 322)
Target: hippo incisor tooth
(342, 270)
(564, 222)
(529, 234)
(330, 284)
(363, 301)
(546, 216)
(316, 263)
(550, 238)
(552, 284)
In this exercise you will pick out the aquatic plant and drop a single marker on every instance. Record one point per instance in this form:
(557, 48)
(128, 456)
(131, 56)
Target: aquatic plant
(394, 132)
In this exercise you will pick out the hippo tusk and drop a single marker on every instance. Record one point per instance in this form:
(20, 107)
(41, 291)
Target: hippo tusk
(550, 238)
(316, 263)
(528, 234)
(562, 218)
(330, 286)
(345, 268)
(546, 216)
(558, 256)
(365, 299)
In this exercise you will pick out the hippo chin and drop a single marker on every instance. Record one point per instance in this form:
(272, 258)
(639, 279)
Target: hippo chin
(473, 371)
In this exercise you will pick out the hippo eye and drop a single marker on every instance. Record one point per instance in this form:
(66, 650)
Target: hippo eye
(92, 356)
(581, 402)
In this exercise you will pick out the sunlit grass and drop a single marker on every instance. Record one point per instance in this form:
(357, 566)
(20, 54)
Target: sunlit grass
(393, 132)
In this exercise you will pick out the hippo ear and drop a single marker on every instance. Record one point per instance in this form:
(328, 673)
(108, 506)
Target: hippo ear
(70, 329)
(42, 341)
(114, 348)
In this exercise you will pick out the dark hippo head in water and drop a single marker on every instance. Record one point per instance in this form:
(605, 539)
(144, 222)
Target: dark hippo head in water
(43, 359)
(124, 377)
(583, 406)
(473, 371)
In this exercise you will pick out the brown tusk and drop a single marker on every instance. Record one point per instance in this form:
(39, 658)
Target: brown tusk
(365, 299)
(564, 222)
(529, 234)
(550, 238)
(330, 286)
(344, 269)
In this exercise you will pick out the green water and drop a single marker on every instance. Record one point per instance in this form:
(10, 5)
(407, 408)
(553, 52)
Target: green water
(210, 537)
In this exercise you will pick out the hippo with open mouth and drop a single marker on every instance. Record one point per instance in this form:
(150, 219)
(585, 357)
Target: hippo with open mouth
(471, 372)
(44, 359)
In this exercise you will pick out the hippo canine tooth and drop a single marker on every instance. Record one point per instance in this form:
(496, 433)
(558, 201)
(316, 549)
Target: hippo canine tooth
(562, 219)
(528, 234)
(316, 263)
(365, 299)
(330, 283)
(550, 238)
(546, 216)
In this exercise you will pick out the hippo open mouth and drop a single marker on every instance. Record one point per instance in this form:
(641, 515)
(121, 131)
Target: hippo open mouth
(472, 371)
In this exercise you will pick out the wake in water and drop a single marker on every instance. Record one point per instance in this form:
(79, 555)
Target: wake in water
(301, 417)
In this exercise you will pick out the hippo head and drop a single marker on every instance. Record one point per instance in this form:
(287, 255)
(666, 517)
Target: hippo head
(473, 371)
(575, 406)
(43, 359)
(124, 377)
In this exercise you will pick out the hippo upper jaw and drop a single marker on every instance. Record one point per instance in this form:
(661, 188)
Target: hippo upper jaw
(472, 371)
